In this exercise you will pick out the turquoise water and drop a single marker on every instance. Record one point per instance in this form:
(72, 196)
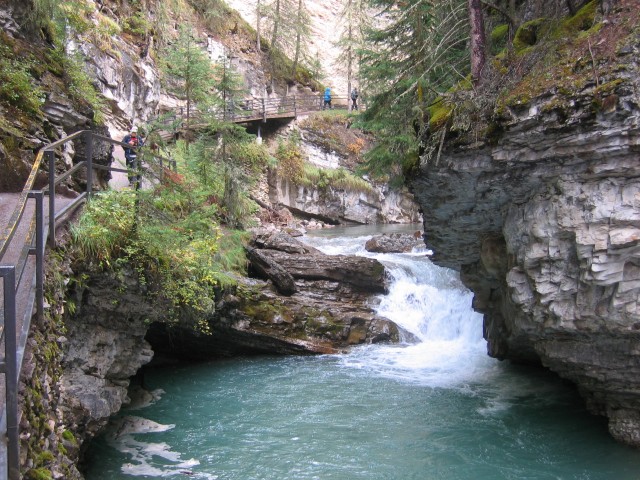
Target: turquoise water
(437, 409)
(321, 418)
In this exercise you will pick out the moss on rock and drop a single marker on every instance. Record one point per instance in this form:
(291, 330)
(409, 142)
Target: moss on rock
(528, 34)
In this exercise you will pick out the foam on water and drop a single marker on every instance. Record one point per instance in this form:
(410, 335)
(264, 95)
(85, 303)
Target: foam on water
(144, 455)
(432, 305)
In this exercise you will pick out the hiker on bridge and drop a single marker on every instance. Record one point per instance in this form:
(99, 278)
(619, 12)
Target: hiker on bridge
(327, 98)
(354, 98)
(130, 155)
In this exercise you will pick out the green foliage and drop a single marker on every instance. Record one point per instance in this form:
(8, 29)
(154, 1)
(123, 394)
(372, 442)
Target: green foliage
(103, 230)
(339, 178)
(189, 67)
(499, 36)
(56, 19)
(179, 236)
(499, 33)
(82, 88)
(17, 86)
(418, 54)
(290, 161)
(137, 24)
(39, 474)
(43, 457)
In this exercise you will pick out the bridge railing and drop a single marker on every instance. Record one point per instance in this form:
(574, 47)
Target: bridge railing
(24, 278)
(262, 109)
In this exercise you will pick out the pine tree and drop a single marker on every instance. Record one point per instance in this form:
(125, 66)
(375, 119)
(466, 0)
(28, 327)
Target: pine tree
(354, 22)
(190, 70)
(302, 30)
(229, 87)
(419, 52)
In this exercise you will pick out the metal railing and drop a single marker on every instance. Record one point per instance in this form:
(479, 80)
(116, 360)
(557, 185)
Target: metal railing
(24, 278)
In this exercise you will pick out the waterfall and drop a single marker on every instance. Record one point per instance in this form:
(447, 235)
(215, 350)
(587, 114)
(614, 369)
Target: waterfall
(445, 348)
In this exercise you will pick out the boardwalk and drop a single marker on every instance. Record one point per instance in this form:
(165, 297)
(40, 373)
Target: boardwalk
(264, 109)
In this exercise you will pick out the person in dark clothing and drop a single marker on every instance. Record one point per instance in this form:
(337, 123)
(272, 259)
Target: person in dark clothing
(354, 98)
(130, 155)
(327, 99)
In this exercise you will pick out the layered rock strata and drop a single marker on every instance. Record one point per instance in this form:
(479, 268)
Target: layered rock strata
(544, 226)
(301, 301)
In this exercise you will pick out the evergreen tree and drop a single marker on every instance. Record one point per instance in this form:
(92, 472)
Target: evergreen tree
(229, 87)
(302, 29)
(354, 22)
(419, 52)
(190, 70)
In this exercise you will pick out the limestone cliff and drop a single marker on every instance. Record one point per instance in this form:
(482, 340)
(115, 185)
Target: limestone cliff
(543, 221)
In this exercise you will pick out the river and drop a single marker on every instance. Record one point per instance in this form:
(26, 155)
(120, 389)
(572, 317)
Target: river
(436, 409)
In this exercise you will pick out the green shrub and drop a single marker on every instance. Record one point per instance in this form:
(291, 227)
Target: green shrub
(338, 178)
(17, 86)
(137, 24)
(81, 87)
(290, 161)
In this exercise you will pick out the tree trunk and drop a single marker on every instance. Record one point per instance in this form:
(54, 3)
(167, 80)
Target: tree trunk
(258, 18)
(478, 40)
(296, 57)
(276, 22)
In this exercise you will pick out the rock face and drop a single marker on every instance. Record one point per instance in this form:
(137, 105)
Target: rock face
(544, 226)
(327, 309)
(105, 348)
(342, 206)
(330, 146)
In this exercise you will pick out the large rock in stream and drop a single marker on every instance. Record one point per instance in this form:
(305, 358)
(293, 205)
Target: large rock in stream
(301, 302)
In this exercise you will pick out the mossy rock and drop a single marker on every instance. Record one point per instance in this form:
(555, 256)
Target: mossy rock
(528, 34)
(43, 458)
(39, 474)
(499, 37)
(609, 87)
(440, 112)
(583, 19)
(500, 33)
(69, 437)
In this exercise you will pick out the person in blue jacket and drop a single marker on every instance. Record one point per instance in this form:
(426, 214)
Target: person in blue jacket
(327, 98)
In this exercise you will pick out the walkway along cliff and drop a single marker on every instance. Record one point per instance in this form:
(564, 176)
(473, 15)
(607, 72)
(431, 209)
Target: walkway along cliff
(542, 218)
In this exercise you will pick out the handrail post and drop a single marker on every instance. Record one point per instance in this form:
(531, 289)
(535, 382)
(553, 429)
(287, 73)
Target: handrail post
(89, 155)
(51, 156)
(39, 252)
(11, 372)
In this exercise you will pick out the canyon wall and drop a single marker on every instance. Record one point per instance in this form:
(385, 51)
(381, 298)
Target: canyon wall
(543, 222)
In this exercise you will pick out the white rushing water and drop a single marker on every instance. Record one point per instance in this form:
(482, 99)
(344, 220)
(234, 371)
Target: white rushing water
(445, 347)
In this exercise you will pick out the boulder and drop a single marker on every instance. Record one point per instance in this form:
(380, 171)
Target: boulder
(394, 242)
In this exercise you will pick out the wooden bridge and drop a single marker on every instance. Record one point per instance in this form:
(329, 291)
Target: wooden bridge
(264, 109)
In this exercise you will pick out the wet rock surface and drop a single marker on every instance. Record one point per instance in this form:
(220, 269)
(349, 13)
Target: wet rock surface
(329, 310)
(544, 228)
(394, 242)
